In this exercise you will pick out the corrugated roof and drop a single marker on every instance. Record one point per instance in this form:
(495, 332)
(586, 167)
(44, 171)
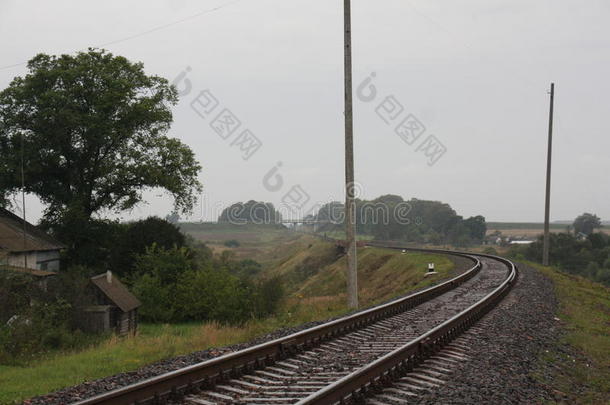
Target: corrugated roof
(11, 235)
(116, 292)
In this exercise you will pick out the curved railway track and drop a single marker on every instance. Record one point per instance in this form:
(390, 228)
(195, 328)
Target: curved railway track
(407, 346)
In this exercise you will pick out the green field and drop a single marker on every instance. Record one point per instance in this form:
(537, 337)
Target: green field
(263, 243)
(524, 225)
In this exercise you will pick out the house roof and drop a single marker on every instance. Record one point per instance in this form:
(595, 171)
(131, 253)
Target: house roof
(116, 292)
(12, 240)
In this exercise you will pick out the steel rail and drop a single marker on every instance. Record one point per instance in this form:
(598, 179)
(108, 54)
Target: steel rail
(206, 373)
(404, 359)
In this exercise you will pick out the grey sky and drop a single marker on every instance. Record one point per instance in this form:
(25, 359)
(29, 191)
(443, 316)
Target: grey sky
(475, 72)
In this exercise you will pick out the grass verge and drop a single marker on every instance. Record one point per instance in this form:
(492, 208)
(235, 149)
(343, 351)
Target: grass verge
(583, 371)
(153, 343)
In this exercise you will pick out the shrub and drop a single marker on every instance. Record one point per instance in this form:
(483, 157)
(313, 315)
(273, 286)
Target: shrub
(246, 268)
(140, 235)
(173, 287)
(269, 295)
(490, 251)
(232, 243)
(588, 257)
(37, 328)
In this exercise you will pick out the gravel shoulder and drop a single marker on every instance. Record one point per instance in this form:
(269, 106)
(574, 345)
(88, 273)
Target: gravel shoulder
(518, 332)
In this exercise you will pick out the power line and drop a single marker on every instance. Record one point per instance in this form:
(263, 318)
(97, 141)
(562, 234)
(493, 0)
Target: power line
(150, 31)
(162, 27)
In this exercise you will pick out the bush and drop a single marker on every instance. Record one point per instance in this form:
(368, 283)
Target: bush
(140, 235)
(40, 319)
(176, 286)
(38, 328)
(588, 258)
(212, 294)
(232, 243)
(158, 304)
(268, 297)
(245, 269)
(490, 251)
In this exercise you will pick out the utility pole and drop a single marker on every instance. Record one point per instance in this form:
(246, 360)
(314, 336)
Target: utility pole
(25, 246)
(547, 203)
(350, 211)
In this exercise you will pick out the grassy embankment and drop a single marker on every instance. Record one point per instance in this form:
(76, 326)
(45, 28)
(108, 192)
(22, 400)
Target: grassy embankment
(584, 310)
(309, 264)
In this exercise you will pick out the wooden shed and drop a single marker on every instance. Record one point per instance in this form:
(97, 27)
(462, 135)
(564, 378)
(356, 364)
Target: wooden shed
(115, 308)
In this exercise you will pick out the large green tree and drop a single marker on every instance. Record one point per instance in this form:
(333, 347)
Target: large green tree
(93, 128)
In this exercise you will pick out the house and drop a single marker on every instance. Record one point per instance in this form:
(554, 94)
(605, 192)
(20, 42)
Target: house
(26, 246)
(40, 277)
(115, 307)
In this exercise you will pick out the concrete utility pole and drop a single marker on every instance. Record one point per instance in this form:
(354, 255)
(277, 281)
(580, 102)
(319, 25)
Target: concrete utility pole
(350, 211)
(547, 203)
(25, 245)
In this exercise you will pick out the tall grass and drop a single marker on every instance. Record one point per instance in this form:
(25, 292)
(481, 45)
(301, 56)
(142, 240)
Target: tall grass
(153, 343)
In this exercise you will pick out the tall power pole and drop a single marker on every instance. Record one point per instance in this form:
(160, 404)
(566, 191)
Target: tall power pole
(25, 254)
(547, 203)
(350, 211)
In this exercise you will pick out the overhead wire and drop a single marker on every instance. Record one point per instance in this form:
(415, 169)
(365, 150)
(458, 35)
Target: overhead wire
(149, 31)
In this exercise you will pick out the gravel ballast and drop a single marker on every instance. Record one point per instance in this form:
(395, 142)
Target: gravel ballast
(501, 369)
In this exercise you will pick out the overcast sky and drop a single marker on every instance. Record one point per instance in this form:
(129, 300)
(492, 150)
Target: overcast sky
(475, 73)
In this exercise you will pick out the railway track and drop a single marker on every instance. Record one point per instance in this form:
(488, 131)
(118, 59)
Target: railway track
(411, 343)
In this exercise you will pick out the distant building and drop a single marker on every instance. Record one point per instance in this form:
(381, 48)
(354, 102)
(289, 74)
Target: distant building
(37, 250)
(521, 242)
(115, 307)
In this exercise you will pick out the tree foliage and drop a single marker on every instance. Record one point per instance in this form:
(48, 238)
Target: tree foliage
(93, 127)
(390, 217)
(256, 212)
(36, 317)
(587, 223)
(173, 217)
(178, 285)
(589, 257)
(139, 235)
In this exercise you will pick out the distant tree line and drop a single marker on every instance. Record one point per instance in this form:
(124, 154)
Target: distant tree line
(390, 217)
(582, 252)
